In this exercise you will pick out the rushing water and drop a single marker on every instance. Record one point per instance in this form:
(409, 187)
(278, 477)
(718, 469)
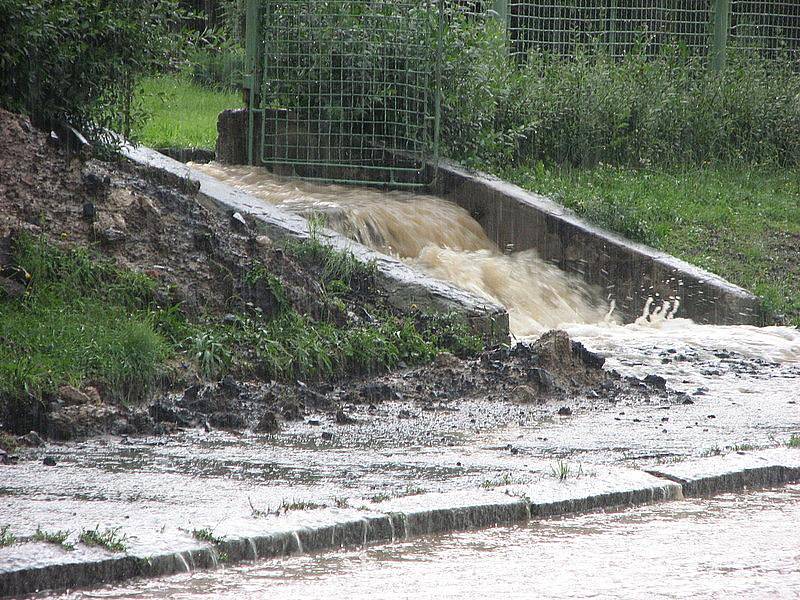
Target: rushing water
(439, 237)
(443, 240)
(727, 547)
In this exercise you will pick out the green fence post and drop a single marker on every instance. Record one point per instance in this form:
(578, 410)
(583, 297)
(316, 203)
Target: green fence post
(501, 8)
(612, 30)
(251, 79)
(722, 25)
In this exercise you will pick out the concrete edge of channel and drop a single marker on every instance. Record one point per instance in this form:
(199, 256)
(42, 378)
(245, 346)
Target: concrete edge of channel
(402, 285)
(629, 271)
(703, 477)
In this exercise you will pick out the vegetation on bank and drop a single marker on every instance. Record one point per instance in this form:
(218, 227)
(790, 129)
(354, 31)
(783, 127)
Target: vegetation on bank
(182, 113)
(82, 320)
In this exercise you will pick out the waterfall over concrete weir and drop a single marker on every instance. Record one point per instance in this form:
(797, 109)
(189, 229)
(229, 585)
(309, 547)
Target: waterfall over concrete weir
(439, 238)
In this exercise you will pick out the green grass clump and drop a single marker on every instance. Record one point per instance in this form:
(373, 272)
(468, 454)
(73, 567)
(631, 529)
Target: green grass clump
(182, 114)
(53, 537)
(741, 223)
(6, 537)
(207, 535)
(79, 319)
(794, 441)
(110, 539)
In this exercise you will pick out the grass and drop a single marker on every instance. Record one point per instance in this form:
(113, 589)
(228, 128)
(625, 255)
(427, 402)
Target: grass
(110, 539)
(6, 537)
(207, 535)
(742, 223)
(53, 537)
(794, 441)
(182, 114)
(562, 470)
(79, 319)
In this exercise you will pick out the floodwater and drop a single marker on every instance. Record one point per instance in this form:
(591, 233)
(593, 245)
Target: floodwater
(732, 546)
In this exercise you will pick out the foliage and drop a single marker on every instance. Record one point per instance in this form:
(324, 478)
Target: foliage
(110, 539)
(6, 537)
(53, 537)
(79, 60)
(79, 319)
(182, 114)
(594, 109)
(794, 441)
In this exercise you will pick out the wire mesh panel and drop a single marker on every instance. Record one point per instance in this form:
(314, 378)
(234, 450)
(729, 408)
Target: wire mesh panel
(349, 88)
(769, 27)
(562, 27)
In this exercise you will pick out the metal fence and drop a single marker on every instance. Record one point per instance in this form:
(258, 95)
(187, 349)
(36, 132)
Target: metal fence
(707, 27)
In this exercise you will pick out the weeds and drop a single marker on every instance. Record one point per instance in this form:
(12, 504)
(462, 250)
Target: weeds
(794, 441)
(53, 537)
(382, 497)
(562, 470)
(207, 535)
(6, 537)
(211, 354)
(110, 539)
(503, 479)
(289, 505)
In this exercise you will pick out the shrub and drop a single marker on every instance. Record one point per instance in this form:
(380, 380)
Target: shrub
(78, 61)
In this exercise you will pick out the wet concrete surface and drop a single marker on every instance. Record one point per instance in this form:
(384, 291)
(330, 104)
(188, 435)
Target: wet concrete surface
(731, 546)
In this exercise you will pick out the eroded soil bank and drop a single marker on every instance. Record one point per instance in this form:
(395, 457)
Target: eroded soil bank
(217, 275)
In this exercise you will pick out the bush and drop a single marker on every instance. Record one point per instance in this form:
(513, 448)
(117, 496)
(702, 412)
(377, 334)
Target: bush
(79, 60)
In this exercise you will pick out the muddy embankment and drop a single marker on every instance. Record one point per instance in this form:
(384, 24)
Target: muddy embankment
(199, 260)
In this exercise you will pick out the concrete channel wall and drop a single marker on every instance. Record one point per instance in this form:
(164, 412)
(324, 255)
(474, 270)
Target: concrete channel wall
(627, 272)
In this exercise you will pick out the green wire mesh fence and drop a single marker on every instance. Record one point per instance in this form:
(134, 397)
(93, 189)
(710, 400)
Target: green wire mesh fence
(348, 88)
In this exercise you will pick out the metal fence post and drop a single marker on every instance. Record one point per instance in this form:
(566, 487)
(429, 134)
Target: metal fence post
(251, 79)
(501, 8)
(722, 25)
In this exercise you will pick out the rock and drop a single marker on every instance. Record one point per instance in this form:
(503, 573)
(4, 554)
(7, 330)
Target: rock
(111, 236)
(71, 396)
(525, 394)
(227, 420)
(80, 420)
(32, 440)
(656, 381)
(327, 436)
(268, 423)
(565, 411)
(89, 212)
(344, 419)
(49, 461)
(164, 413)
(542, 379)
(376, 392)
(10, 289)
(589, 358)
(93, 394)
(263, 241)
(446, 360)
(237, 222)
(314, 422)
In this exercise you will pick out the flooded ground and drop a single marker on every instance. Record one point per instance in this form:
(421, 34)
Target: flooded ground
(732, 546)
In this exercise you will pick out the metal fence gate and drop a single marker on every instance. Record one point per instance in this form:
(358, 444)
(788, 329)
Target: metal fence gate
(345, 90)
